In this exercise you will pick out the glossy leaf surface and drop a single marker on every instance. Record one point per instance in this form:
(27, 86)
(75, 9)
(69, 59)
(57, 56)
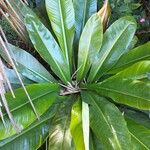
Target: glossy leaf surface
(139, 71)
(89, 45)
(140, 134)
(116, 40)
(137, 54)
(47, 47)
(42, 95)
(25, 141)
(120, 91)
(104, 118)
(59, 133)
(27, 65)
(61, 15)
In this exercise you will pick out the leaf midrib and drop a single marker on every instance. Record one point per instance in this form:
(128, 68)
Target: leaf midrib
(63, 32)
(132, 61)
(22, 105)
(106, 54)
(36, 73)
(87, 54)
(27, 130)
(121, 92)
(106, 121)
(134, 136)
(61, 72)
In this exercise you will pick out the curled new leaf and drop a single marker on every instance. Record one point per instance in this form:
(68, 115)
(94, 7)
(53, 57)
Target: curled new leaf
(105, 13)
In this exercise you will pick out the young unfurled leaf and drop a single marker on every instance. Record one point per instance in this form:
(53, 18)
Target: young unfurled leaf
(105, 13)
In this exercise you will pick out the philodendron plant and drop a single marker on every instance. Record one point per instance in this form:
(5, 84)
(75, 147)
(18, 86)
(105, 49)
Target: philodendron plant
(96, 90)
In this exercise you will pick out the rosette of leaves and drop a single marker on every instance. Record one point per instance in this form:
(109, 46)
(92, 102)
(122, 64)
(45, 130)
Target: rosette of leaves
(98, 83)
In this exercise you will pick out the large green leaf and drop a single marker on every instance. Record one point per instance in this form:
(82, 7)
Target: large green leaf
(89, 45)
(139, 70)
(134, 93)
(59, 134)
(140, 135)
(32, 137)
(47, 47)
(118, 87)
(84, 9)
(76, 125)
(27, 65)
(42, 95)
(61, 15)
(137, 54)
(116, 41)
(107, 123)
(139, 127)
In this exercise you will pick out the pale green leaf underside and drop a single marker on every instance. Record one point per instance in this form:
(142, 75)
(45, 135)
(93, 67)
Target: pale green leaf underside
(76, 125)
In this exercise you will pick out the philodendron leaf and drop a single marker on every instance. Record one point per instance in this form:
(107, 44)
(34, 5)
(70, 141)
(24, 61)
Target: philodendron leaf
(76, 125)
(83, 11)
(47, 47)
(89, 45)
(128, 87)
(137, 54)
(27, 65)
(32, 137)
(61, 15)
(140, 134)
(116, 41)
(42, 95)
(107, 123)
